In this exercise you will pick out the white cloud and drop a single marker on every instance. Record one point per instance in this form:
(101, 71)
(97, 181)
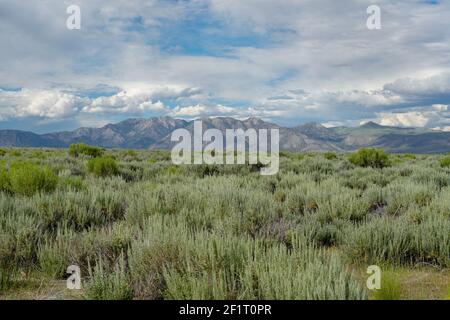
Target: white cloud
(440, 107)
(407, 119)
(122, 103)
(51, 104)
(439, 84)
(59, 104)
(137, 98)
(331, 124)
(446, 128)
(203, 110)
(318, 54)
(290, 107)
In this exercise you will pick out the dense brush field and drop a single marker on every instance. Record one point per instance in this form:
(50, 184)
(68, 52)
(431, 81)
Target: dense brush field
(141, 228)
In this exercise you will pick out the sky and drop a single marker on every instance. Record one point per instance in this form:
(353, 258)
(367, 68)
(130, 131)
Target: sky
(285, 61)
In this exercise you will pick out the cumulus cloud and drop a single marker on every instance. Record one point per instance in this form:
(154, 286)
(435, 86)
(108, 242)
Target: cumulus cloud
(139, 98)
(440, 107)
(331, 124)
(446, 128)
(439, 84)
(434, 116)
(51, 104)
(203, 110)
(288, 61)
(62, 104)
(406, 119)
(123, 103)
(389, 107)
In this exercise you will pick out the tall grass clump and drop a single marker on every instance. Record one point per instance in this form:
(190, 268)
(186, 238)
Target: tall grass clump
(109, 283)
(4, 180)
(158, 247)
(54, 254)
(107, 245)
(400, 241)
(401, 195)
(6, 277)
(73, 183)
(19, 235)
(7, 263)
(370, 157)
(233, 268)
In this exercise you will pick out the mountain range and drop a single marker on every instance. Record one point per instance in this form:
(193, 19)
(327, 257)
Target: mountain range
(155, 133)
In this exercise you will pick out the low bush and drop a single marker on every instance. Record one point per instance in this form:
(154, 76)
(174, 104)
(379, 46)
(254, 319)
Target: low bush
(27, 179)
(103, 167)
(370, 157)
(78, 149)
(330, 155)
(409, 156)
(445, 162)
(15, 153)
(130, 153)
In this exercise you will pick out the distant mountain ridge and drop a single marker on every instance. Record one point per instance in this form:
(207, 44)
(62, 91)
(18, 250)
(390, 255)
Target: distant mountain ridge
(154, 133)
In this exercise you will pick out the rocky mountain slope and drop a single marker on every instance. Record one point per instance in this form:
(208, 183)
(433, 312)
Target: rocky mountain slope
(155, 133)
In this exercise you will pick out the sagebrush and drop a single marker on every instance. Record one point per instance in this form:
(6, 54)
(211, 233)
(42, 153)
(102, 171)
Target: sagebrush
(140, 227)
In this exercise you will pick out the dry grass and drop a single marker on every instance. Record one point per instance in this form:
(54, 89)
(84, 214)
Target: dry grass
(419, 283)
(40, 287)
